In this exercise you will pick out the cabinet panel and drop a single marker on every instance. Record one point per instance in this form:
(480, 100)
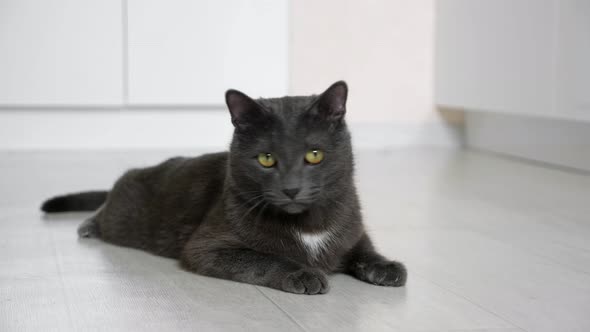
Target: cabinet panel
(496, 55)
(60, 52)
(190, 52)
(573, 54)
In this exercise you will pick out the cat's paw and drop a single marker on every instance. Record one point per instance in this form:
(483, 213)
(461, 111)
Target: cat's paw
(386, 273)
(306, 281)
(88, 229)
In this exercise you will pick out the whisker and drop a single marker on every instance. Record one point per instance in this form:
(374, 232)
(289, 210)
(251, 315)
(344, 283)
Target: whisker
(261, 210)
(252, 191)
(340, 203)
(251, 209)
(250, 200)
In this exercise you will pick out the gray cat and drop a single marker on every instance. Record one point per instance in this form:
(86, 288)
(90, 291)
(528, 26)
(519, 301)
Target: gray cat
(280, 209)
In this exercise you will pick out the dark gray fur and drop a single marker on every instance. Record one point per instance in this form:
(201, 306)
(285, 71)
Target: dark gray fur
(225, 216)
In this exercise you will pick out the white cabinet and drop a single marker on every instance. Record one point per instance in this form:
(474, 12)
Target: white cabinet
(526, 57)
(495, 55)
(190, 52)
(60, 52)
(140, 52)
(573, 59)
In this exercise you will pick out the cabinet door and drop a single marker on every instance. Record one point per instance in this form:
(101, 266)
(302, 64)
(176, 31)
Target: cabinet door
(573, 54)
(190, 52)
(496, 55)
(60, 52)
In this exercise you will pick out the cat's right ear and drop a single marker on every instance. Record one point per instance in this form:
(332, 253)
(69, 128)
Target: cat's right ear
(243, 109)
(332, 103)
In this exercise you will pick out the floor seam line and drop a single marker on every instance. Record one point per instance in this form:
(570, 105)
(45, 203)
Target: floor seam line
(472, 302)
(291, 318)
(61, 279)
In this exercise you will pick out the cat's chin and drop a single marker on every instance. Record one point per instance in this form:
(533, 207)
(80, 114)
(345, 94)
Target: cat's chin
(294, 208)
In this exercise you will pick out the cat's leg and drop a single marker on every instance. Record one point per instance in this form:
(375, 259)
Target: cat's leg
(252, 267)
(364, 263)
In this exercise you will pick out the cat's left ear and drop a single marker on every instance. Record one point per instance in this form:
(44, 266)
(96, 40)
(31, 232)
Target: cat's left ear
(244, 111)
(332, 103)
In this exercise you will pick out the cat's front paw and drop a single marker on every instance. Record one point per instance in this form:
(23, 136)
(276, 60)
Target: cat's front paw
(385, 273)
(306, 281)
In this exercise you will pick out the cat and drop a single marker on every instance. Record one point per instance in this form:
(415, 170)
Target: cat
(280, 209)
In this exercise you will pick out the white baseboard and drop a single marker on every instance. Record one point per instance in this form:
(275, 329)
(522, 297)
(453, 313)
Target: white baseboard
(178, 129)
(113, 129)
(558, 142)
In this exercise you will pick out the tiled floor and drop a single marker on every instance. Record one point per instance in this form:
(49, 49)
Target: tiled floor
(491, 244)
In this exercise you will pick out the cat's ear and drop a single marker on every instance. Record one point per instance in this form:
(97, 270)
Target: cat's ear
(243, 109)
(332, 103)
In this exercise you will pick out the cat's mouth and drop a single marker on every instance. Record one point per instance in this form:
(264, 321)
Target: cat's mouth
(294, 207)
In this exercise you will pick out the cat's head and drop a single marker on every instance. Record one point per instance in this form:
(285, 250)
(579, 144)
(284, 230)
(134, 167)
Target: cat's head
(290, 153)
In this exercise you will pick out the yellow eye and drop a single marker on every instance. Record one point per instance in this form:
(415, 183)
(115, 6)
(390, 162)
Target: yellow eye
(314, 156)
(266, 160)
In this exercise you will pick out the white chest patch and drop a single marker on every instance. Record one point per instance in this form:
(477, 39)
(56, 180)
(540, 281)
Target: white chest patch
(315, 243)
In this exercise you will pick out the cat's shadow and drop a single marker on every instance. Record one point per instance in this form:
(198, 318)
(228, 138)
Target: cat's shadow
(66, 217)
(354, 300)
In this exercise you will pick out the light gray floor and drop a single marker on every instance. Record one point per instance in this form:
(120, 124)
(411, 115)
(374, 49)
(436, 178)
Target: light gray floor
(491, 244)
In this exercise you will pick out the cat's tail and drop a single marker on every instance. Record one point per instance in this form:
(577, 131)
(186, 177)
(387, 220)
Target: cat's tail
(84, 201)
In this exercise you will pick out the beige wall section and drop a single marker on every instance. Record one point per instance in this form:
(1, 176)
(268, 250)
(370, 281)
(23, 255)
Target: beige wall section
(382, 48)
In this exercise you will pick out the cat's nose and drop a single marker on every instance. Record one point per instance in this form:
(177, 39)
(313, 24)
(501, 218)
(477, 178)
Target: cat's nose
(291, 192)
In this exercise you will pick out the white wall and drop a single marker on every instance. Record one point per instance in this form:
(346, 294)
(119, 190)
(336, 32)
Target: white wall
(383, 48)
